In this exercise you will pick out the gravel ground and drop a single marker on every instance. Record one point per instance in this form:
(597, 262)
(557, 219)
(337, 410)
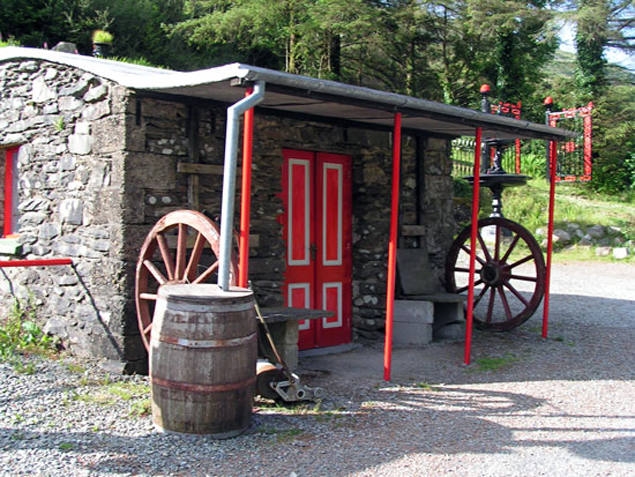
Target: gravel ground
(561, 406)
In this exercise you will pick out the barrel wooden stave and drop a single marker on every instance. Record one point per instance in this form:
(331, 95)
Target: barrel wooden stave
(203, 359)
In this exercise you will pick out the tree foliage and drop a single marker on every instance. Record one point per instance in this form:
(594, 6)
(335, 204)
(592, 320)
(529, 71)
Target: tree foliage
(435, 49)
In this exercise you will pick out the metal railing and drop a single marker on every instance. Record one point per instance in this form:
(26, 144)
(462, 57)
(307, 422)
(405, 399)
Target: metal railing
(462, 155)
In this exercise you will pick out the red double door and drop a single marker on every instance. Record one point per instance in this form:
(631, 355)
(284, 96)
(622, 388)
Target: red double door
(317, 230)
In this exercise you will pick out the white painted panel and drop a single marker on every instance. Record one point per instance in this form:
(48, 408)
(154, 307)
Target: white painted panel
(340, 205)
(338, 287)
(306, 259)
(302, 324)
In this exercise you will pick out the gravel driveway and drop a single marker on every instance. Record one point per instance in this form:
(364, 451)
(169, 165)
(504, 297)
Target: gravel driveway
(526, 406)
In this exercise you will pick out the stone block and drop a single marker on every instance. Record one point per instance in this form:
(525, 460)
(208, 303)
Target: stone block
(412, 324)
(41, 92)
(72, 211)
(10, 246)
(620, 253)
(446, 314)
(450, 332)
(80, 143)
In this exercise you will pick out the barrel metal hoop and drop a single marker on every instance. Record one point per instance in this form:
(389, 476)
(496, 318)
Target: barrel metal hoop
(186, 343)
(203, 388)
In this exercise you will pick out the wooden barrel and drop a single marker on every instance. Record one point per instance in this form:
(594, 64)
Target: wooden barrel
(203, 352)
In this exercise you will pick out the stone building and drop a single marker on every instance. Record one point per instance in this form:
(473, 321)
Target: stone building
(100, 150)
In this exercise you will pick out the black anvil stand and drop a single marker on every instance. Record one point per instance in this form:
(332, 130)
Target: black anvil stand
(496, 178)
(503, 246)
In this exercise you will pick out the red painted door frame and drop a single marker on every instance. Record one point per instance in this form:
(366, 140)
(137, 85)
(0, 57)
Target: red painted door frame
(10, 189)
(317, 226)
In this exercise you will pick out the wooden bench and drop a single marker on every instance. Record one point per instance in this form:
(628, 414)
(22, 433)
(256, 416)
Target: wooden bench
(283, 326)
(423, 311)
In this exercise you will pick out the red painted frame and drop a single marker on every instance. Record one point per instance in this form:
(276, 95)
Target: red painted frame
(392, 246)
(8, 226)
(586, 113)
(245, 197)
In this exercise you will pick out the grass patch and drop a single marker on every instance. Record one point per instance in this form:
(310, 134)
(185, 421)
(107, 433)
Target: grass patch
(66, 446)
(111, 393)
(21, 335)
(427, 386)
(489, 364)
(574, 203)
(282, 435)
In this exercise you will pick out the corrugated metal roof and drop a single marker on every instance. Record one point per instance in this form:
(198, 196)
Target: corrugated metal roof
(300, 94)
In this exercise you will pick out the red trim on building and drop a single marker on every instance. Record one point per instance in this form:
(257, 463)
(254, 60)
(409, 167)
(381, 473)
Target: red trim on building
(8, 225)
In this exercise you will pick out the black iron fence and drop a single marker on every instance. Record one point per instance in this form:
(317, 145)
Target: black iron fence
(463, 157)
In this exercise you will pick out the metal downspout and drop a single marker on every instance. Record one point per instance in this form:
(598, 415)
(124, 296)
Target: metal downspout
(229, 178)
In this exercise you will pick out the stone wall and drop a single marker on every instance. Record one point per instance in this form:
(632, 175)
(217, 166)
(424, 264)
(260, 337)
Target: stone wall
(98, 166)
(167, 132)
(70, 128)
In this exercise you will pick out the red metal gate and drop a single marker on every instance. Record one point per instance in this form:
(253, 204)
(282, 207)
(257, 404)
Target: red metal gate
(316, 191)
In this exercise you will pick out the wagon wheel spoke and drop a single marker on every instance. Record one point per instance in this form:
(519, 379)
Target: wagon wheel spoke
(488, 257)
(166, 255)
(148, 296)
(207, 273)
(524, 278)
(171, 265)
(516, 293)
(195, 257)
(508, 310)
(181, 251)
(510, 249)
(464, 289)
(497, 243)
(490, 305)
(477, 299)
(156, 273)
(520, 262)
(516, 303)
(469, 251)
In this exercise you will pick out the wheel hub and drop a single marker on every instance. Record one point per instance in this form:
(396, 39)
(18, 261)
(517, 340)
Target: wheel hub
(491, 274)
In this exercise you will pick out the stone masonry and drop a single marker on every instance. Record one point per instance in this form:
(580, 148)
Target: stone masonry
(98, 167)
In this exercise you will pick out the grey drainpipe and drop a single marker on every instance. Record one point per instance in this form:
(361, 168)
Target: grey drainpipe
(229, 178)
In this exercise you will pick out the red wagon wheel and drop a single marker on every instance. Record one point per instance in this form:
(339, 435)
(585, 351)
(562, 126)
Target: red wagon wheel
(510, 273)
(164, 259)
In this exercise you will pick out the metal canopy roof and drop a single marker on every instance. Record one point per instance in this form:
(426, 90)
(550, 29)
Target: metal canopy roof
(301, 94)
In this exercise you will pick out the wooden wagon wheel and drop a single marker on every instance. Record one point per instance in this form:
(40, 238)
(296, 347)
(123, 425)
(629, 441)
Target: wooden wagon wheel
(164, 259)
(510, 273)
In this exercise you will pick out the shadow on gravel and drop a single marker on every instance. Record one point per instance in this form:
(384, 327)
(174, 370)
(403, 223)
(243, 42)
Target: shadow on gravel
(589, 338)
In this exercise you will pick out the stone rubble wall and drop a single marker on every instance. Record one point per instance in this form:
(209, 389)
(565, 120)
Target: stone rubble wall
(70, 127)
(98, 168)
(162, 136)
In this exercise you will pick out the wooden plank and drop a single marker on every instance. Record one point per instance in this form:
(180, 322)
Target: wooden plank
(278, 314)
(413, 230)
(193, 168)
(193, 191)
(440, 297)
(254, 240)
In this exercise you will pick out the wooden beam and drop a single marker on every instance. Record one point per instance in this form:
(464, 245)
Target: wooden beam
(413, 230)
(193, 168)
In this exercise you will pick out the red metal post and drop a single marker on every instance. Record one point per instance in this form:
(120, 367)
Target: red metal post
(392, 246)
(475, 209)
(245, 197)
(553, 158)
(35, 263)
